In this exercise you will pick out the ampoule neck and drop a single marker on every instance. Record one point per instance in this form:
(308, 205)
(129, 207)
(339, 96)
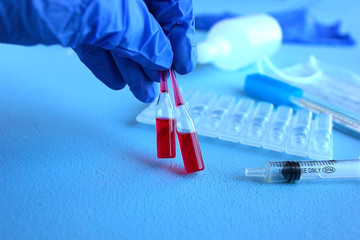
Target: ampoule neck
(163, 82)
(176, 90)
(164, 100)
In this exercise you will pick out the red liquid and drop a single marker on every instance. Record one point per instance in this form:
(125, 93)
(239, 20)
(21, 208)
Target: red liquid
(165, 138)
(190, 151)
(176, 90)
(163, 82)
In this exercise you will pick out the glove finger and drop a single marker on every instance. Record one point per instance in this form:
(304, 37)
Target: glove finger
(124, 26)
(139, 83)
(33, 22)
(128, 29)
(177, 20)
(102, 65)
(153, 75)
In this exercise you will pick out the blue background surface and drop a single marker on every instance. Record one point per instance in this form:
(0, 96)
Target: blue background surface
(75, 164)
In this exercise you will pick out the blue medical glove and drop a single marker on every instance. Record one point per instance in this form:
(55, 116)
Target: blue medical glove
(298, 26)
(123, 42)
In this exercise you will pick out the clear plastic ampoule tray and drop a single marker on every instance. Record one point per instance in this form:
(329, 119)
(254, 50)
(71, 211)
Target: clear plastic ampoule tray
(257, 124)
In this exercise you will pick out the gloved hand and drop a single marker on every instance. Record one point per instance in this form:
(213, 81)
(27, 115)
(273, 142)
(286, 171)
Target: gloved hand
(120, 41)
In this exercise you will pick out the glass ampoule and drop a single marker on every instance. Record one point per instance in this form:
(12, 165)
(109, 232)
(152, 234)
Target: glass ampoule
(188, 140)
(165, 121)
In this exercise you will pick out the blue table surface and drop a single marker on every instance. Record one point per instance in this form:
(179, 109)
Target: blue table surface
(75, 164)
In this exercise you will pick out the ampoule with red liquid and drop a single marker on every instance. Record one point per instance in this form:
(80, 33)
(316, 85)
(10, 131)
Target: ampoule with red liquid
(165, 121)
(189, 144)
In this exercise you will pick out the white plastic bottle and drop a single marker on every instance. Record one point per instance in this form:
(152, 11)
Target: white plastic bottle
(237, 42)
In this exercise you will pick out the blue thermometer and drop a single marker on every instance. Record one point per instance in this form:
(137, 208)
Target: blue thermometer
(280, 93)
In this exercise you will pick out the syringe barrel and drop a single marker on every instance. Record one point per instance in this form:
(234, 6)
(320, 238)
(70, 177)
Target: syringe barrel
(292, 171)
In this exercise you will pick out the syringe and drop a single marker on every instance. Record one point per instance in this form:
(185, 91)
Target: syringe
(292, 171)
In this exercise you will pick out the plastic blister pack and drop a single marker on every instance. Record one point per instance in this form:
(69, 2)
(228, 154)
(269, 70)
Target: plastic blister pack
(199, 105)
(298, 141)
(232, 128)
(257, 124)
(256, 127)
(216, 116)
(148, 114)
(321, 144)
(278, 130)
